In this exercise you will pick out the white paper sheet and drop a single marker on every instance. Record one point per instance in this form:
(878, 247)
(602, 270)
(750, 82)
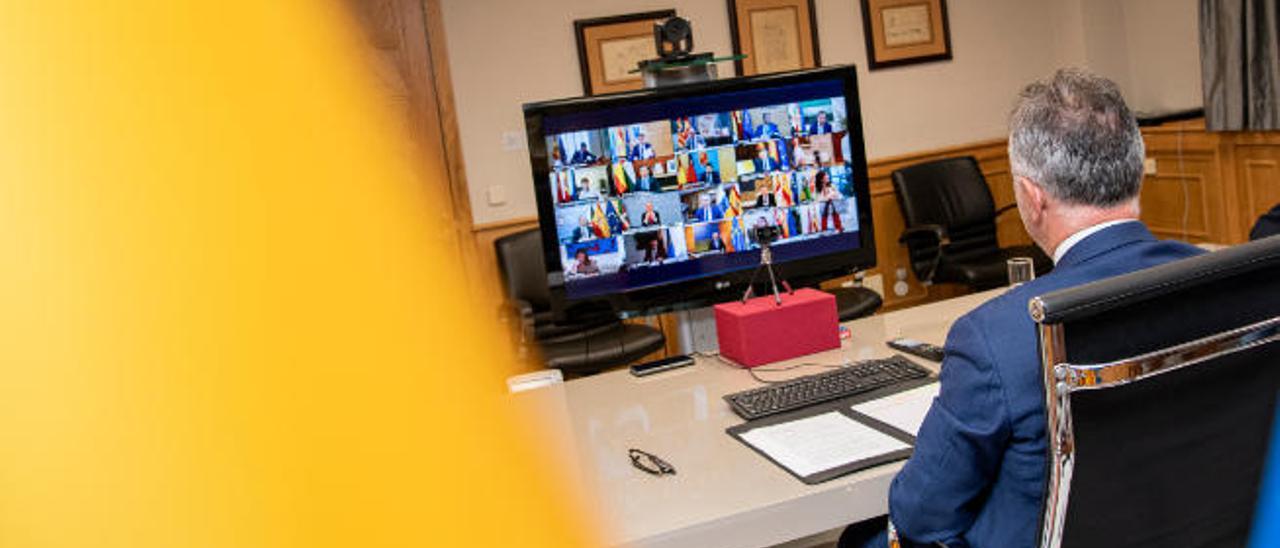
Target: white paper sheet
(904, 410)
(821, 442)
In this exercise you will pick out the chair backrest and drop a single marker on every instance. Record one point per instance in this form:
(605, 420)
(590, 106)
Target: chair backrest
(1160, 392)
(951, 193)
(523, 269)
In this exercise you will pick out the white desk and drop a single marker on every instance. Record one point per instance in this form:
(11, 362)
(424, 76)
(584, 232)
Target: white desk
(724, 494)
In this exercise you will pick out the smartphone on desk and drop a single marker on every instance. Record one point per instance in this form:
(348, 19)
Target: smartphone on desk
(658, 366)
(916, 348)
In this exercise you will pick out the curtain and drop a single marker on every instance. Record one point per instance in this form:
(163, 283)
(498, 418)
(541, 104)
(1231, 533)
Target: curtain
(1240, 64)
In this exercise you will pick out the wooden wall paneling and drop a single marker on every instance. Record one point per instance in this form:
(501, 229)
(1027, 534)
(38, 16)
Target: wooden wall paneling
(409, 63)
(890, 256)
(1174, 206)
(1257, 170)
(1183, 199)
(1261, 178)
(442, 87)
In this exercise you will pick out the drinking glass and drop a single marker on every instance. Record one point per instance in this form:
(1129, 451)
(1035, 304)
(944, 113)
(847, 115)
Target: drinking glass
(1021, 270)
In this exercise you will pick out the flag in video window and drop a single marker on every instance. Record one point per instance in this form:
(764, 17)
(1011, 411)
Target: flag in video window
(599, 221)
(624, 177)
(733, 202)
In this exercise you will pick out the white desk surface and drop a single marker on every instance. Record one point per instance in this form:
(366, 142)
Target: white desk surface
(724, 494)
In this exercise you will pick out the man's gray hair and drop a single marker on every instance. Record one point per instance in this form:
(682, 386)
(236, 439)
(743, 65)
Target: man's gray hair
(1074, 135)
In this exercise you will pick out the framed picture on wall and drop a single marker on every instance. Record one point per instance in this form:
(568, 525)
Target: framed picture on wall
(904, 32)
(775, 35)
(609, 48)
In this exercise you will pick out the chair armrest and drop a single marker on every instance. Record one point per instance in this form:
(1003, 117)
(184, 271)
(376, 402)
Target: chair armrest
(1002, 210)
(938, 234)
(521, 311)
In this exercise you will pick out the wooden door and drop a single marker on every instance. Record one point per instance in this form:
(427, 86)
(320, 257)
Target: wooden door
(407, 54)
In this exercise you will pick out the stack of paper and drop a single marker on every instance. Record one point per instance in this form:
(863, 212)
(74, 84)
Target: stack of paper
(821, 442)
(904, 410)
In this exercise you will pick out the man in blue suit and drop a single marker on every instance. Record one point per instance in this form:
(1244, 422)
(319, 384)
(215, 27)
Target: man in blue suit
(977, 475)
(821, 125)
(767, 129)
(707, 211)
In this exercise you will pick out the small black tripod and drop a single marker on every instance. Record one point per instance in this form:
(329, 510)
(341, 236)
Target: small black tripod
(766, 262)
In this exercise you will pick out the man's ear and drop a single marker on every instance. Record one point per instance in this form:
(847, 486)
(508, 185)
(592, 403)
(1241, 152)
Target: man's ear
(1035, 199)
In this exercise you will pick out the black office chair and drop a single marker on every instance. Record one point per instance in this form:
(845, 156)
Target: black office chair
(597, 342)
(855, 302)
(852, 302)
(1161, 391)
(951, 225)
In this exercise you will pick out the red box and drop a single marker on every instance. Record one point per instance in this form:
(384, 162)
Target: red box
(760, 331)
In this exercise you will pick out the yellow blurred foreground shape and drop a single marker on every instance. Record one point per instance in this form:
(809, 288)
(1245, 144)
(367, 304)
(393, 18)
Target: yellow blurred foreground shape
(227, 317)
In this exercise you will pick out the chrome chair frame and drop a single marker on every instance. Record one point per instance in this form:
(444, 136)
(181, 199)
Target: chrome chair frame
(1061, 379)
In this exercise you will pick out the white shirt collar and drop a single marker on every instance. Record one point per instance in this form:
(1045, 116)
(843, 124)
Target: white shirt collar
(1081, 234)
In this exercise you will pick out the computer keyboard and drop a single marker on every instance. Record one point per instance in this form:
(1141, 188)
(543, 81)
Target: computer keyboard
(857, 378)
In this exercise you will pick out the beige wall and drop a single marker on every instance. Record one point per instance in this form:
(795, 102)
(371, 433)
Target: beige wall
(1164, 54)
(1150, 48)
(504, 53)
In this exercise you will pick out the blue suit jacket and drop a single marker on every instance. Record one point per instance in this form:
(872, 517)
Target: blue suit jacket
(977, 475)
(710, 213)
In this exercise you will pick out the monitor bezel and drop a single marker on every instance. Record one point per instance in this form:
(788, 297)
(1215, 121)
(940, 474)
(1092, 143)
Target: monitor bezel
(714, 288)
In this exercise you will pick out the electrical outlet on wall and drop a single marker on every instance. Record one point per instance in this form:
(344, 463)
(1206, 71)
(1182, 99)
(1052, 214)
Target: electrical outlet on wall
(1149, 166)
(497, 195)
(513, 141)
(900, 287)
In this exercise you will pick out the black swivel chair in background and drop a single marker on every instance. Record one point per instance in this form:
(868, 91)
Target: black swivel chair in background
(1161, 389)
(578, 348)
(855, 302)
(951, 225)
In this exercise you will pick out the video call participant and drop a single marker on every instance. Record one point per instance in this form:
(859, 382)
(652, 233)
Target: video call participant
(709, 174)
(655, 252)
(650, 216)
(821, 125)
(642, 150)
(645, 182)
(584, 265)
(716, 244)
(764, 163)
(767, 129)
(707, 211)
(583, 230)
(584, 186)
(764, 196)
(977, 474)
(583, 156)
(801, 156)
(828, 197)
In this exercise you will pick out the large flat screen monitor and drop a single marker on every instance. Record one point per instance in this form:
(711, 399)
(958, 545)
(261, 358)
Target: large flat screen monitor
(650, 200)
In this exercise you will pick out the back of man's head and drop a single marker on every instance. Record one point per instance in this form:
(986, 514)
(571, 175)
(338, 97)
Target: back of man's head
(1074, 135)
